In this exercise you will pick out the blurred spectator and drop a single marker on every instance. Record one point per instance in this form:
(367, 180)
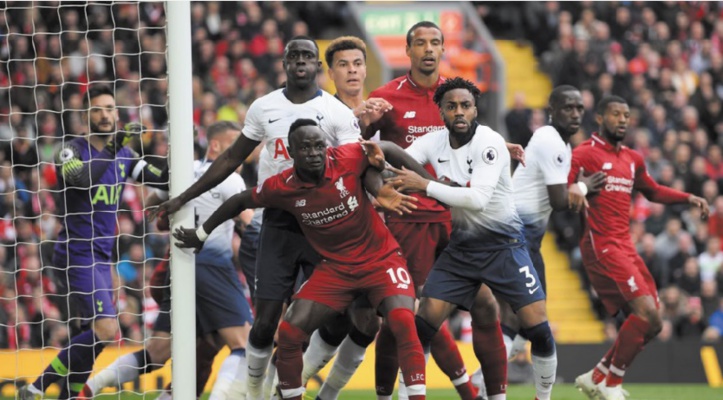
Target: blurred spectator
(711, 260)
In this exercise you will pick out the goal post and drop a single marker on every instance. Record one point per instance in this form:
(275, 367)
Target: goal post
(183, 283)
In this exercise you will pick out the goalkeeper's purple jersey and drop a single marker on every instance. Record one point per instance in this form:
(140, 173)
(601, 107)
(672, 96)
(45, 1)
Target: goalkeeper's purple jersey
(89, 226)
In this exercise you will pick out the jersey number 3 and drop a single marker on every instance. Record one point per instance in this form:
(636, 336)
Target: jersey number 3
(531, 281)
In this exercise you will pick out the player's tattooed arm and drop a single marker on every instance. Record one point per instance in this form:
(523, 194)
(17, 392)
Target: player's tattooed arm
(194, 238)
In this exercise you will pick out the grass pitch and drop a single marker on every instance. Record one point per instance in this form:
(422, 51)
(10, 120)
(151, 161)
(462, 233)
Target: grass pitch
(527, 392)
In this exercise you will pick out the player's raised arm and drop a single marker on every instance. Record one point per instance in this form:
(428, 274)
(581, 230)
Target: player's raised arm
(221, 168)
(194, 238)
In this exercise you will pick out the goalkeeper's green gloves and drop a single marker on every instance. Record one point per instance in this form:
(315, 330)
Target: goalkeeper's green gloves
(124, 136)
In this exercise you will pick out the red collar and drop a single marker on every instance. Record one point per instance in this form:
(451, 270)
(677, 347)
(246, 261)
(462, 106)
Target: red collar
(420, 88)
(600, 141)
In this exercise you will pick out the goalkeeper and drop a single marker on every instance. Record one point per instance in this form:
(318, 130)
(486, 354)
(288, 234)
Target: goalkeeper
(92, 171)
(221, 306)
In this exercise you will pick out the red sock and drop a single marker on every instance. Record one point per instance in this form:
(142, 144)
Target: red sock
(409, 351)
(600, 372)
(630, 342)
(387, 365)
(289, 360)
(489, 347)
(446, 354)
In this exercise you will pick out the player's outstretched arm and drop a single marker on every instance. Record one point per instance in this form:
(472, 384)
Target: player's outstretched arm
(194, 238)
(398, 158)
(219, 170)
(386, 195)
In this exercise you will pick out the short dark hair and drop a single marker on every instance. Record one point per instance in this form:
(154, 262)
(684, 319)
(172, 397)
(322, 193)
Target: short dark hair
(220, 127)
(95, 91)
(603, 104)
(303, 37)
(300, 123)
(557, 95)
(344, 43)
(455, 83)
(422, 24)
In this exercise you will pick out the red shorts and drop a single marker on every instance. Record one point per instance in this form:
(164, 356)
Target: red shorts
(421, 243)
(337, 285)
(620, 277)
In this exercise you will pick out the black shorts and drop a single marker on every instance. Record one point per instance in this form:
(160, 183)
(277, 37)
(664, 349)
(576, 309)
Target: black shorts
(283, 252)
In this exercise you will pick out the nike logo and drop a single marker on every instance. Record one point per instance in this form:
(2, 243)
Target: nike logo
(546, 377)
(271, 121)
(439, 160)
(533, 290)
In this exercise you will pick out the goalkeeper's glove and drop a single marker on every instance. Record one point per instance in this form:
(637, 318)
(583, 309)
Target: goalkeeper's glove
(124, 136)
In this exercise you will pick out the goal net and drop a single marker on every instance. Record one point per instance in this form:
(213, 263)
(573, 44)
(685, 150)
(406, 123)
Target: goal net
(50, 54)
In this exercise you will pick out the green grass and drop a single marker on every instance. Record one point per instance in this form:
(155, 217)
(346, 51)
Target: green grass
(527, 392)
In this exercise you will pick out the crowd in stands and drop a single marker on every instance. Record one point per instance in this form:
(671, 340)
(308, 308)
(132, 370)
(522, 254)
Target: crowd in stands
(46, 63)
(664, 58)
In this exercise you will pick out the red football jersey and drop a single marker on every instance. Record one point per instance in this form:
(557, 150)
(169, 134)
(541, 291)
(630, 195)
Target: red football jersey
(414, 114)
(336, 215)
(607, 221)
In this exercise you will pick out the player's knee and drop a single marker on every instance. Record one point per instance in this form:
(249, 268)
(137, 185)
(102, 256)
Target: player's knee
(262, 334)
(335, 330)
(655, 324)
(159, 349)
(485, 310)
(540, 336)
(366, 321)
(425, 332)
(291, 337)
(105, 329)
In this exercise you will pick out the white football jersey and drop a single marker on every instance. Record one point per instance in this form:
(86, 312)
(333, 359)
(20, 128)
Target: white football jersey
(480, 166)
(217, 248)
(270, 117)
(548, 162)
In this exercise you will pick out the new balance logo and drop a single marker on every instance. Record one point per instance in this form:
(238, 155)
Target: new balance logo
(607, 166)
(300, 203)
(410, 114)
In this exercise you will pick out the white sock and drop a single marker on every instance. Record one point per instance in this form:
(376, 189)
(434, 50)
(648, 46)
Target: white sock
(258, 361)
(233, 368)
(380, 397)
(316, 356)
(402, 388)
(478, 381)
(501, 396)
(508, 344)
(518, 346)
(124, 369)
(165, 395)
(544, 370)
(347, 361)
(269, 388)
